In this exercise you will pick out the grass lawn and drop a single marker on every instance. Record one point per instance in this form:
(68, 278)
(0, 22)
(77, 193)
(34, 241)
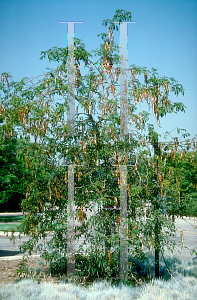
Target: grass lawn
(14, 226)
(18, 219)
(8, 226)
(9, 219)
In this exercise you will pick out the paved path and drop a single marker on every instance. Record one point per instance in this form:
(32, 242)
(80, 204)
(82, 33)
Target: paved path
(186, 233)
(187, 225)
(8, 251)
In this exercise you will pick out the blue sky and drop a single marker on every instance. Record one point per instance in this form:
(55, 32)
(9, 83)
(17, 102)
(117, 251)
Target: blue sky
(164, 37)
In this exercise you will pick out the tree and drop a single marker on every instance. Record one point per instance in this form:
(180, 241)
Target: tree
(180, 168)
(38, 111)
(12, 188)
(13, 173)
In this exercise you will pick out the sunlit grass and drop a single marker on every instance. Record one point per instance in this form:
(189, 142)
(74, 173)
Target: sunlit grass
(8, 226)
(18, 219)
(11, 219)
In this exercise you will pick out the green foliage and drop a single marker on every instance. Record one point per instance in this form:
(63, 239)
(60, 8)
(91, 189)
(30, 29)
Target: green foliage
(120, 16)
(91, 267)
(191, 209)
(61, 54)
(180, 171)
(11, 171)
(14, 173)
(23, 272)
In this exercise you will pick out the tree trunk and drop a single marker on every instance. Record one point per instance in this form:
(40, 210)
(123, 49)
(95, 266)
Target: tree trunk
(157, 225)
(173, 219)
(157, 244)
(108, 233)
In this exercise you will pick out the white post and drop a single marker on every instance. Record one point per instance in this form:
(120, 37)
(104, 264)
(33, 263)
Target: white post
(123, 223)
(123, 80)
(71, 232)
(71, 78)
(71, 131)
(123, 132)
(123, 168)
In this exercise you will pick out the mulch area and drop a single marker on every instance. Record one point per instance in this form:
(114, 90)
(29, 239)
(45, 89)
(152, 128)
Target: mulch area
(8, 271)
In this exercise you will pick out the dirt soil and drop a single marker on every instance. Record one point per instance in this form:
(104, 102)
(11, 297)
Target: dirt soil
(8, 271)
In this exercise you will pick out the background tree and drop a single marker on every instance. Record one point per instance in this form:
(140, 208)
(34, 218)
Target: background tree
(38, 109)
(12, 188)
(180, 169)
(13, 172)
